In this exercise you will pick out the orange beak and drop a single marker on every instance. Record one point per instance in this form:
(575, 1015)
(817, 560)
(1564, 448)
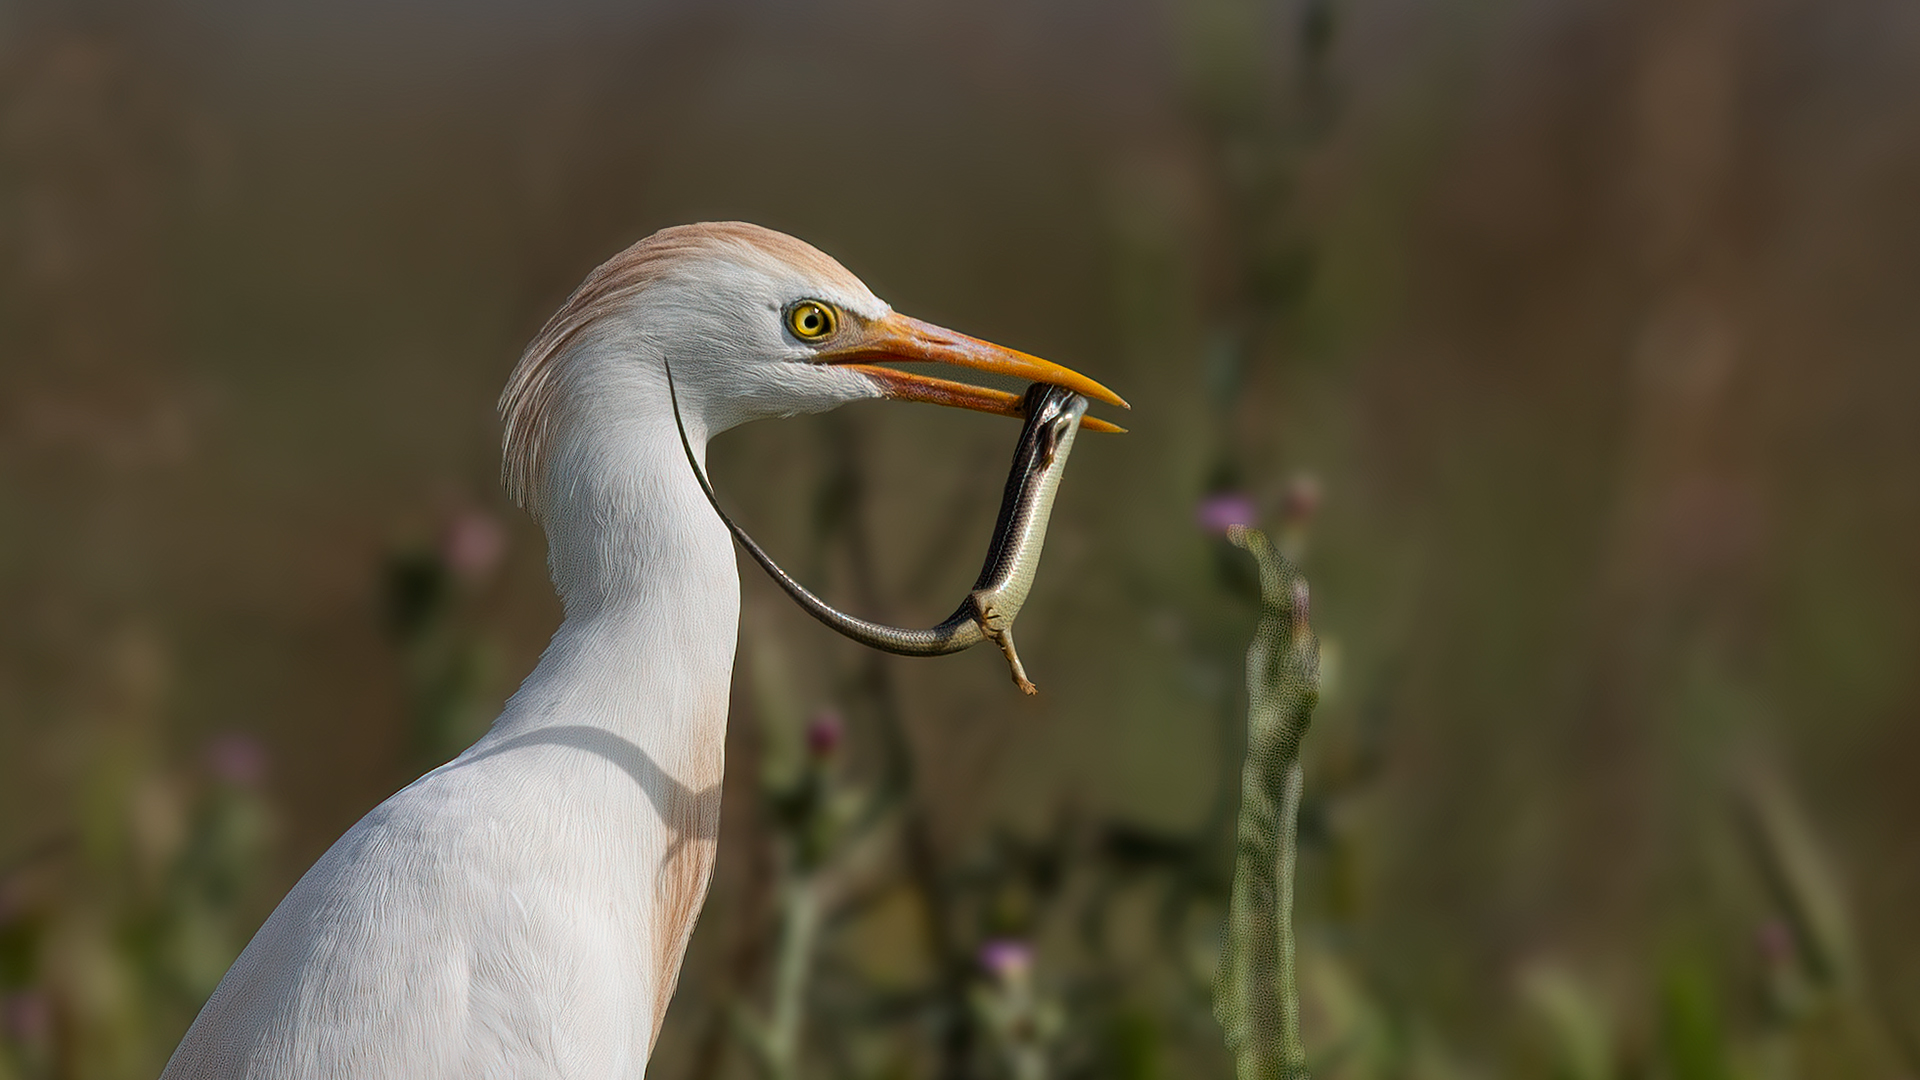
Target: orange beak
(895, 338)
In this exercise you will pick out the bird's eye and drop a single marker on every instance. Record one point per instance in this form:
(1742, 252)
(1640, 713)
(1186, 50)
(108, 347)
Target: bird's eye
(811, 320)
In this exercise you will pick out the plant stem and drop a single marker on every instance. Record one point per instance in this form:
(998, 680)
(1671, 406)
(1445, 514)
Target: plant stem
(1256, 998)
(1293, 1050)
(799, 919)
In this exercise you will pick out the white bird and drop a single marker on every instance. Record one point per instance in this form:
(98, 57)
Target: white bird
(522, 910)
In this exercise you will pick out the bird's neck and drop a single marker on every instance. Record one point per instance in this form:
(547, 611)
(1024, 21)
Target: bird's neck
(646, 572)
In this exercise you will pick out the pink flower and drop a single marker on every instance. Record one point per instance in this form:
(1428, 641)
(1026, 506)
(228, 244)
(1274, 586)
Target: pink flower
(238, 759)
(824, 732)
(1222, 509)
(473, 544)
(1006, 959)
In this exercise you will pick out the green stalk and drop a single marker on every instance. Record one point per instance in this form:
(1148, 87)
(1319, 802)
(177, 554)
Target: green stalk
(775, 1042)
(1255, 997)
(800, 920)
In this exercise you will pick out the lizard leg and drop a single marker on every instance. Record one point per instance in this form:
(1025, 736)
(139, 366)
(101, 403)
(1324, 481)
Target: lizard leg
(1000, 632)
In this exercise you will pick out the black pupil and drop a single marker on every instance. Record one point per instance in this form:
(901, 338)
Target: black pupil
(810, 320)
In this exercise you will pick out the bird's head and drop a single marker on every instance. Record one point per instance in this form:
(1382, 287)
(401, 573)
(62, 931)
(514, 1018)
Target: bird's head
(754, 324)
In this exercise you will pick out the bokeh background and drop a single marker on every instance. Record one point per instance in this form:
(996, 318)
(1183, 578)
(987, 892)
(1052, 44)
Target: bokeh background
(1571, 346)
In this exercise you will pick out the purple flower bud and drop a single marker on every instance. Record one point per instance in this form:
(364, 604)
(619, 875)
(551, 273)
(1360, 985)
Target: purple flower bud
(1222, 509)
(238, 759)
(1006, 959)
(472, 544)
(824, 732)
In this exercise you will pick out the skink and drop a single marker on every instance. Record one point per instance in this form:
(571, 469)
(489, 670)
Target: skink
(1013, 555)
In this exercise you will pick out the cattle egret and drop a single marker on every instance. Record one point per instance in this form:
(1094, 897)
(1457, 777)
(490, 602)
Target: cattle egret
(522, 910)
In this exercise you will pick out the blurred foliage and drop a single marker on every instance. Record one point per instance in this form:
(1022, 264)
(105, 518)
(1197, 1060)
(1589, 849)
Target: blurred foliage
(434, 599)
(112, 934)
(1565, 344)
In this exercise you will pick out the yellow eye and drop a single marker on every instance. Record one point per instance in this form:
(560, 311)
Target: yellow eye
(811, 320)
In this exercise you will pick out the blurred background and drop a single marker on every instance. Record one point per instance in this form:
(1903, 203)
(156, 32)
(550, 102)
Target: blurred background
(1569, 346)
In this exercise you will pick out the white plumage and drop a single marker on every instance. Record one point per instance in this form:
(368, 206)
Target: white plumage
(522, 910)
